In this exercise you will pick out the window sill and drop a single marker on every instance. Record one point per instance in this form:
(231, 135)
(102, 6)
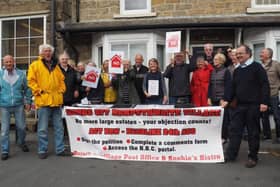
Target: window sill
(263, 10)
(119, 16)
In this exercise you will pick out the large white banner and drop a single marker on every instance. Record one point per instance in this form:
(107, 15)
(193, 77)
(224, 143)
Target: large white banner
(151, 134)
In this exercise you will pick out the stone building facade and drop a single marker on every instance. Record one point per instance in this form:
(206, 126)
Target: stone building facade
(90, 29)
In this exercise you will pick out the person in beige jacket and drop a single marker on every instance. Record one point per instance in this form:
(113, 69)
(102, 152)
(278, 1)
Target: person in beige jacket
(272, 69)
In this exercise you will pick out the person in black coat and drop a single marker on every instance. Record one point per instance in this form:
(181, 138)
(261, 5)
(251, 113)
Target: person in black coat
(250, 97)
(72, 88)
(140, 71)
(178, 74)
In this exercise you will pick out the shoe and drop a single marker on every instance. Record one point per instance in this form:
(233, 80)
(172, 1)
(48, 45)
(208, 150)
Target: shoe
(228, 160)
(24, 148)
(250, 163)
(265, 138)
(43, 155)
(63, 153)
(5, 156)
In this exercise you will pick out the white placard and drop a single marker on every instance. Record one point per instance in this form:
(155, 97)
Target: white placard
(91, 76)
(115, 64)
(153, 87)
(173, 42)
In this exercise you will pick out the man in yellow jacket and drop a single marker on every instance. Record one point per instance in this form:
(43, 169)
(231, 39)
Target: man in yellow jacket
(46, 81)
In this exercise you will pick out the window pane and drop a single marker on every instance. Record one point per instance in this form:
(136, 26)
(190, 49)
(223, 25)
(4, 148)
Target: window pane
(36, 27)
(100, 55)
(8, 29)
(121, 47)
(34, 46)
(21, 60)
(160, 56)
(257, 51)
(138, 48)
(21, 47)
(267, 2)
(22, 28)
(7, 47)
(135, 4)
(22, 63)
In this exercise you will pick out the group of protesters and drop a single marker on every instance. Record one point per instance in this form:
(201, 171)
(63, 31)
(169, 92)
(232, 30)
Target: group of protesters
(246, 89)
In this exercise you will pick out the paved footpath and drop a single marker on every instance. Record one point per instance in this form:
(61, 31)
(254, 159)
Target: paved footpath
(27, 170)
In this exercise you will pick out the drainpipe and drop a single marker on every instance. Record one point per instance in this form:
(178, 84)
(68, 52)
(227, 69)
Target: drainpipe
(53, 23)
(77, 11)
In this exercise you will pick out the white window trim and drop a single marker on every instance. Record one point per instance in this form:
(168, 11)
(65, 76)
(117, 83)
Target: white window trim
(19, 18)
(256, 42)
(277, 40)
(256, 8)
(135, 12)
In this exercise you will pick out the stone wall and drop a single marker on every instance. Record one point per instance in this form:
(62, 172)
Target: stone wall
(94, 10)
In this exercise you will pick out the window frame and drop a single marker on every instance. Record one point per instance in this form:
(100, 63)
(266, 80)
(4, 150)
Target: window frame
(29, 37)
(133, 12)
(255, 5)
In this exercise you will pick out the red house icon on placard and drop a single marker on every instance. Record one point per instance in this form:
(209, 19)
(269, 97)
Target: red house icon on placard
(173, 41)
(91, 76)
(116, 61)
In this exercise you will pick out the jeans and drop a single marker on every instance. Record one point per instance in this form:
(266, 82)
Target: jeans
(44, 114)
(6, 112)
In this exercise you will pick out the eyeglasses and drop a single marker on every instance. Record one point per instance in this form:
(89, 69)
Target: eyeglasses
(240, 53)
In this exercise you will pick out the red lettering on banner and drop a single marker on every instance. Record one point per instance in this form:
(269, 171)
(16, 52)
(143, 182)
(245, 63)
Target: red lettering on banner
(172, 132)
(143, 131)
(111, 131)
(101, 112)
(188, 131)
(95, 131)
(198, 112)
(81, 112)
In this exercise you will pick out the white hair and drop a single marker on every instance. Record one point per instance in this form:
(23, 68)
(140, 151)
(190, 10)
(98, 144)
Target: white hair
(45, 46)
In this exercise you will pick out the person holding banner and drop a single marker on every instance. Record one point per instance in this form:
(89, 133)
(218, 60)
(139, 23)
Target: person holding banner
(250, 89)
(46, 81)
(110, 94)
(124, 83)
(178, 73)
(154, 84)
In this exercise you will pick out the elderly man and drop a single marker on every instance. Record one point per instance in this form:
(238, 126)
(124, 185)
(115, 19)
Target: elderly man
(178, 73)
(140, 70)
(209, 53)
(47, 84)
(72, 88)
(272, 69)
(14, 96)
(250, 90)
